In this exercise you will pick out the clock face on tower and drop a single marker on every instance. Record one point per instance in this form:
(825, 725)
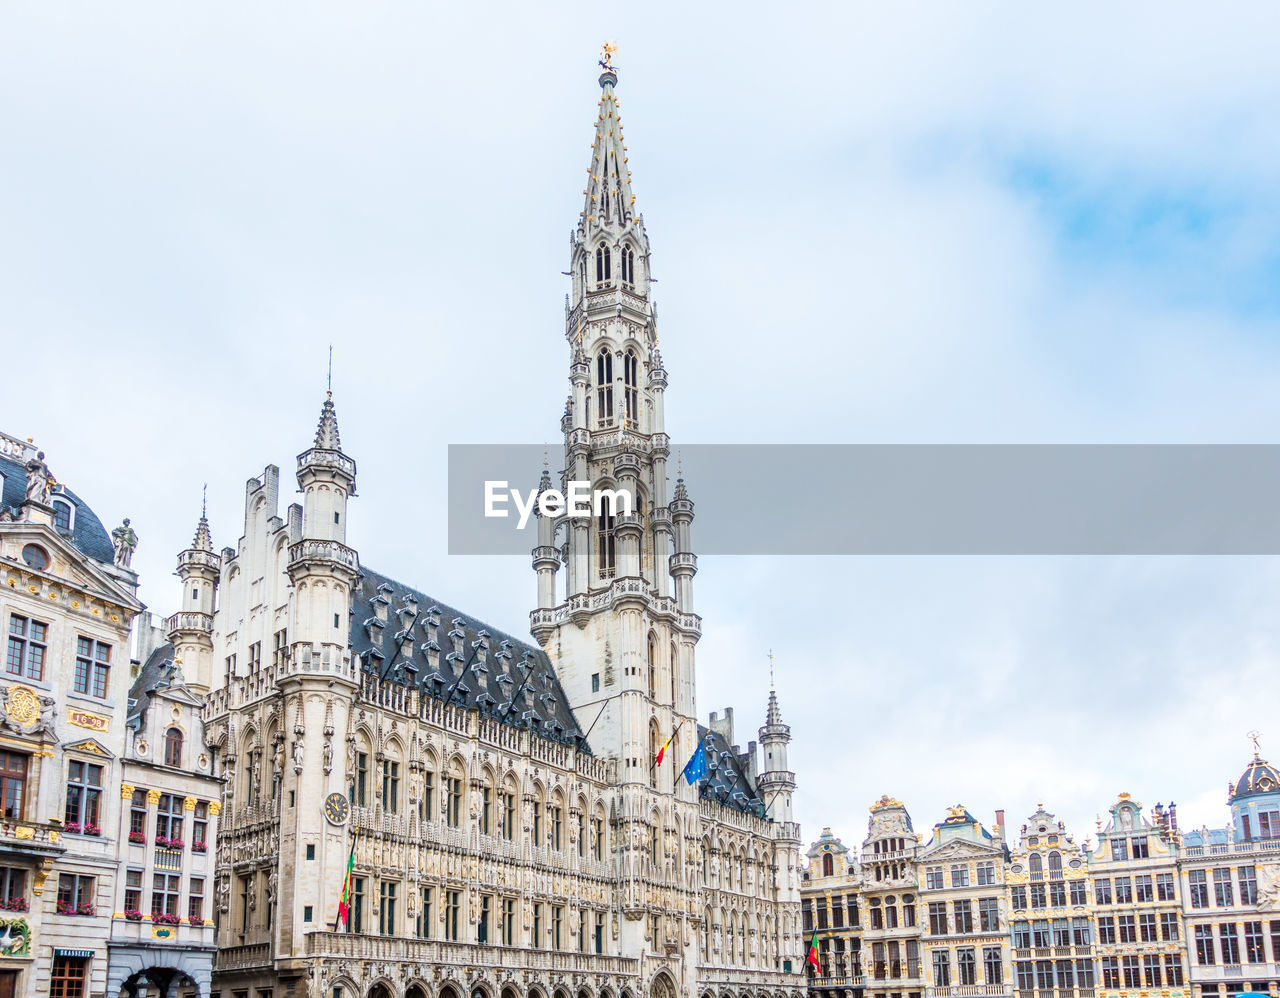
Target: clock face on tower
(336, 808)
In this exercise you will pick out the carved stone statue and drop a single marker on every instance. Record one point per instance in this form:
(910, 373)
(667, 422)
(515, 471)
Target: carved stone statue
(277, 759)
(48, 716)
(38, 479)
(1269, 886)
(328, 754)
(125, 542)
(298, 754)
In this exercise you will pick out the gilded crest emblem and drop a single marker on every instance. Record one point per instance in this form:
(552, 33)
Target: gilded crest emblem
(23, 705)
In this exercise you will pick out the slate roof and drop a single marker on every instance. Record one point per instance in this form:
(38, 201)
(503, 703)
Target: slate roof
(1216, 837)
(1259, 777)
(153, 675)
(397, 644)
(88, 535)
(727, 778)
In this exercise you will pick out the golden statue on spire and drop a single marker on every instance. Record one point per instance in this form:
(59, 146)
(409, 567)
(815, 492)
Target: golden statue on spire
(607, 51)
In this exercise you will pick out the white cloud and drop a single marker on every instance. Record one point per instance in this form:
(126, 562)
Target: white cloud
(195, 205)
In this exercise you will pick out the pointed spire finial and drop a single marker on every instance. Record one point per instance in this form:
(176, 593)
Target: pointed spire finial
(770, 668)
(327, 430)
(203, 541)
(329, 383)
(1254, 736)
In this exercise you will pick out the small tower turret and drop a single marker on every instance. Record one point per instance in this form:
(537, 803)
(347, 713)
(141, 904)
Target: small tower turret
(191, 628)
(684, 563)
(777, 783)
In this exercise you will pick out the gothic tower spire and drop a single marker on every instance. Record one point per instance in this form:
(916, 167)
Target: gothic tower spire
(625, 590)
(609, 201)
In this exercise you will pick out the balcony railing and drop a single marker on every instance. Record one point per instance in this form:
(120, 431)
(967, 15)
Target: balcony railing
(1256, 846)
(971, 991)
(242, 957)
(168, 859)
(31, 837)
(362, 946)
(836, 981)
(311, 549)
(189, 620)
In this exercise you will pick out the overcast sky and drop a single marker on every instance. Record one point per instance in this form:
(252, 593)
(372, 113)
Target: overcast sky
(873, 223)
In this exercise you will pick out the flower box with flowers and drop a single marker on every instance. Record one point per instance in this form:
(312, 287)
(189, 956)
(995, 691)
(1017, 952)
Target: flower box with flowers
(133, 915)
(169, 843)
(84, 908)
(138, 838)
(88, 828)
(164, 918)
(199, 846)
(72, 827)
(196, 921)
(16, 904)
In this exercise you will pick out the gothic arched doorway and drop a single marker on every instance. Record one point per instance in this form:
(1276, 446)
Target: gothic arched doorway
(662, 986)
(165, 981)
(379, 990)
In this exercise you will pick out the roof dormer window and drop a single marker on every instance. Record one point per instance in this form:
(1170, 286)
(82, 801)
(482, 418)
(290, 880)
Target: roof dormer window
(62, 516)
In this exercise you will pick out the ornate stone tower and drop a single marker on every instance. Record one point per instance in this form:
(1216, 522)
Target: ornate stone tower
(623, 633)
(317, 685)
(623, 644)
(191, 628)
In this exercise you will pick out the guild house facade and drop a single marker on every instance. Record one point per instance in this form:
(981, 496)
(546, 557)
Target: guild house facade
(67, 602)
(496, 850)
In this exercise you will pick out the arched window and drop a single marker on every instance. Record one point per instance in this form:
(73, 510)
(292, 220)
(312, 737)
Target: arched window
(631, 387)
(653, 667)
(606, 523)
(582, 275)
(653, 752)
(1055, 864)
(828, 865)
(628, 264)
(604, 263)
(604, 387)
(675, 662)
(173, 747)
(1036, 865)
(61, 515)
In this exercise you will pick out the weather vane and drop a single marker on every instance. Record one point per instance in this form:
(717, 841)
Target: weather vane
(771, 668)
(607, 51)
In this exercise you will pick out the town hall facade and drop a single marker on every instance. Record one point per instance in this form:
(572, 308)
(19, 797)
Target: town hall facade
(508, 832)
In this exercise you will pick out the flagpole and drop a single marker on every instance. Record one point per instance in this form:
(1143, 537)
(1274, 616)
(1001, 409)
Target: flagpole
(346, 877)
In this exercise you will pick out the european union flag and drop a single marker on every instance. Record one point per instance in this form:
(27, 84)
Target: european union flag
(696, 768)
